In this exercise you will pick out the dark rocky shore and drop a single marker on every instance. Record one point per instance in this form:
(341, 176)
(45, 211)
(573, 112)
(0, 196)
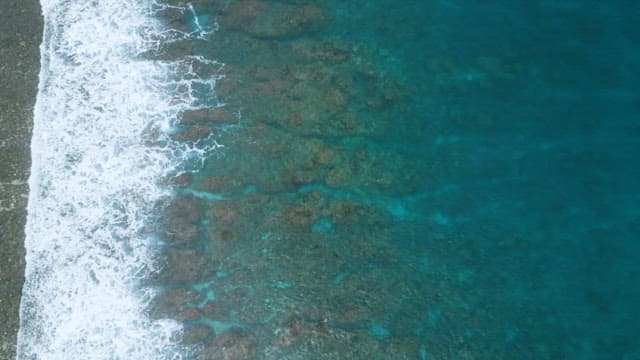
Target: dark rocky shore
(20, 36)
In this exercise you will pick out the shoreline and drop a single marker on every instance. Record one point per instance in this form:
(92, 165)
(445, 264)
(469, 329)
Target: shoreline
(20, 36)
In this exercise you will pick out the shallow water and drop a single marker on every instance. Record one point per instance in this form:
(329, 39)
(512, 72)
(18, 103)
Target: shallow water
(402, 180)
(430, 179)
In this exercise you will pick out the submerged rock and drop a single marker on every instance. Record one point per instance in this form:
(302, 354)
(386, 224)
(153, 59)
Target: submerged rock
(212, 184)
(231, 345)
(181, 221)
(180, 180)
(299, 177)
(175, 304)
(301, 216)
(272, 19)
(197, 334)
(350, 213)
(193, 133)
(330, 52)
(185, 265)
(207, 116)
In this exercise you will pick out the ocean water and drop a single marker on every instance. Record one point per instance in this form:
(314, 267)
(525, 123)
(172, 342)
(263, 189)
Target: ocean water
(329, 179)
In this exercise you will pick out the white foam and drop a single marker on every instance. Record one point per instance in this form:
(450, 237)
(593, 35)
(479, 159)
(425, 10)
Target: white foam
(95, 179)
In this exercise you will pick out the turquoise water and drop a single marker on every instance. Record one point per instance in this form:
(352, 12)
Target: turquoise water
(412, 180)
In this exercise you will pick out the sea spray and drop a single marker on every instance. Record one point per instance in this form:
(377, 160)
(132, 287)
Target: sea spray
(101, 149)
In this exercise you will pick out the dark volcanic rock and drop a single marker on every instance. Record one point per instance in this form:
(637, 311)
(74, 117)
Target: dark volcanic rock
(20, 35)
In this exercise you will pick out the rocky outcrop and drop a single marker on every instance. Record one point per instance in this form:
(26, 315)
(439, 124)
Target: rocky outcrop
(20, 32)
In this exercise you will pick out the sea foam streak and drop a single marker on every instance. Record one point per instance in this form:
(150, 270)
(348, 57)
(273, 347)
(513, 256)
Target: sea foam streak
(95, 180)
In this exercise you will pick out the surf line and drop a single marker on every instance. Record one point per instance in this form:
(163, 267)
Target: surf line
(101, 147)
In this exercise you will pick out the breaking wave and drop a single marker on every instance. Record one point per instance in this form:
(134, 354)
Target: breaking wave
(101, 150)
